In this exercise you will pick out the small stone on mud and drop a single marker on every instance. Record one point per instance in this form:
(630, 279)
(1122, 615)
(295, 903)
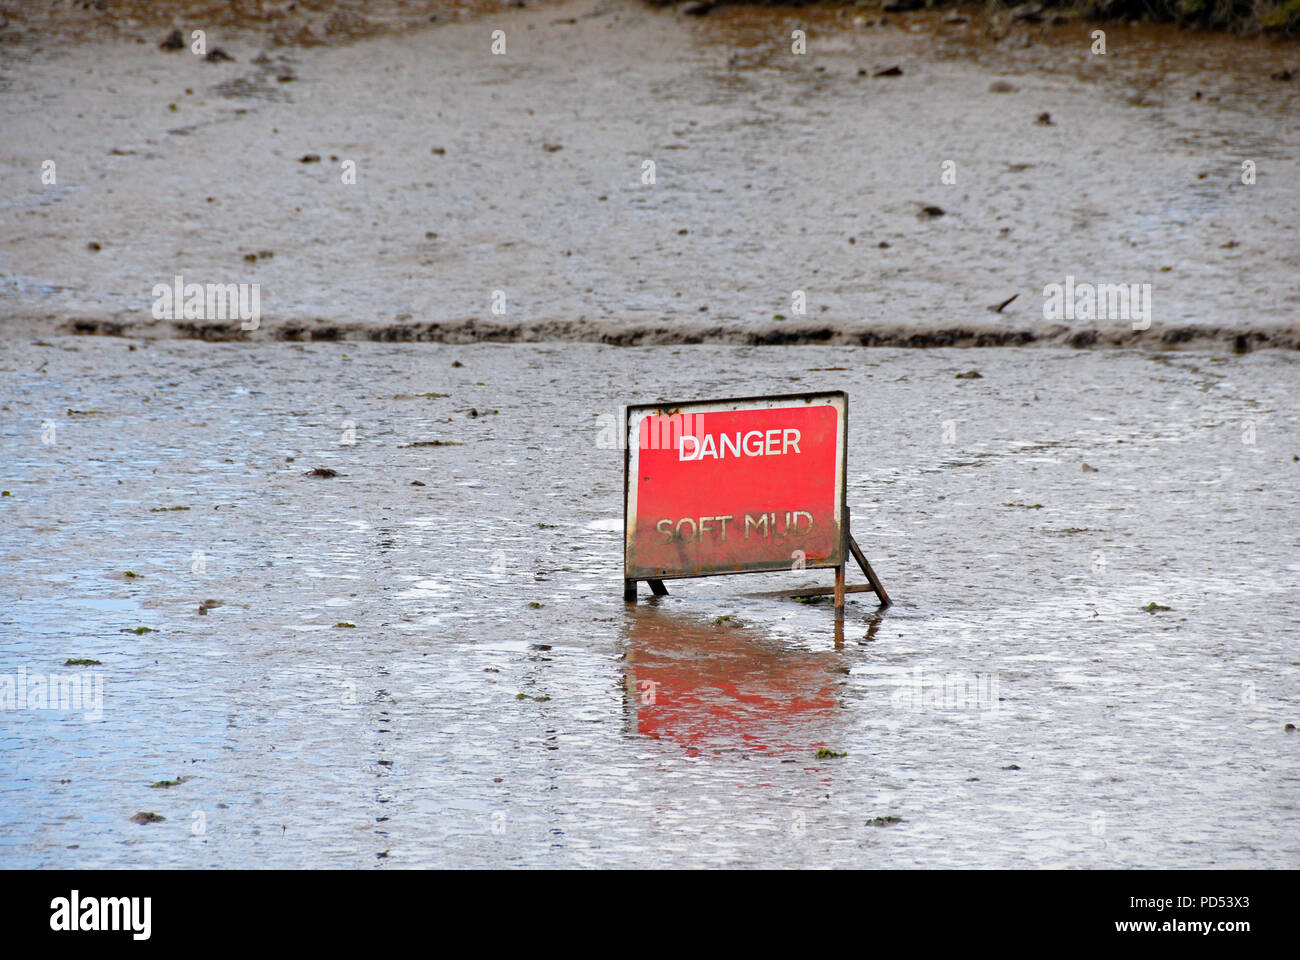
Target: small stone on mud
(147, 816)
(93, 247)
(969, 375)
(1089, 469)
(310, 158)
(894, 71)
(1011, 766)
(696, 9)
(1044, 119)
(552, 147)
(322, 472)
(217, 55)
(884, 821)
(417, 483)
(932, 211)
(174, 41)
(1002, 86)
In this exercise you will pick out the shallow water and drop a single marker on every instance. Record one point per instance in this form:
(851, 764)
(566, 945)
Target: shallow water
(1070, 727)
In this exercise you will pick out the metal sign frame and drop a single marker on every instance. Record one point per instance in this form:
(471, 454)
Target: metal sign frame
(844, 545)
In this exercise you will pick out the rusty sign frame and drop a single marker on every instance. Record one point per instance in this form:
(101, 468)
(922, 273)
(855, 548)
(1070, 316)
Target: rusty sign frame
(634, 414)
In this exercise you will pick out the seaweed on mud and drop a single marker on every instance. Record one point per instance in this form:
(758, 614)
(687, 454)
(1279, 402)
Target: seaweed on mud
(163, 784)
(81, 662)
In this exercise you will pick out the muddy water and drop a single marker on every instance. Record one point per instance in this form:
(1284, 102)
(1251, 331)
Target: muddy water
(773, 173)
(496, 703)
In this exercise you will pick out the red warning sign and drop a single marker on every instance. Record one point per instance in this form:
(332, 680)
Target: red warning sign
(735, 486)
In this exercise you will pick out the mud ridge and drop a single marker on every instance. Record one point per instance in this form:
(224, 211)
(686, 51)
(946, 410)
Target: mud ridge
(1235, 339)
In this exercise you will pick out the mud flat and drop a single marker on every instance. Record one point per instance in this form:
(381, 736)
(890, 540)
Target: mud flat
(522, 174)
(360, 604)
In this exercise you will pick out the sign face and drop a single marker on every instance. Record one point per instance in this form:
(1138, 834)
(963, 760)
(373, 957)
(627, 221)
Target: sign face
(734, 486)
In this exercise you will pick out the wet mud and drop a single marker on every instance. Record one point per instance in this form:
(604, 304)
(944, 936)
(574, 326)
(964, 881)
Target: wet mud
(337, 614)
(505, 197)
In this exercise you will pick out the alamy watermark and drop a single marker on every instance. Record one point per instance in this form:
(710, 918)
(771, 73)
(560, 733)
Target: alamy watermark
(208, 301)
(1099, 301)
(67, 692)
(920, 691)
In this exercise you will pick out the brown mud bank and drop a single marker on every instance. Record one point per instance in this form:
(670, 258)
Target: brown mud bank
(629, 175)
(1251, 17)
(282, 22)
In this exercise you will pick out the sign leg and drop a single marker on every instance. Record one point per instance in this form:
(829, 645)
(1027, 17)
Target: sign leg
(657, 588)
(629, 591)
(839, 589)
(874, 580)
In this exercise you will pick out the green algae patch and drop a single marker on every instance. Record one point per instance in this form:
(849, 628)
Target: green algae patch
(163, 784)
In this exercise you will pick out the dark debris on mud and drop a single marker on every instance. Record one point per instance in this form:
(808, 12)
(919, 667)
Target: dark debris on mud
(473, 330)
